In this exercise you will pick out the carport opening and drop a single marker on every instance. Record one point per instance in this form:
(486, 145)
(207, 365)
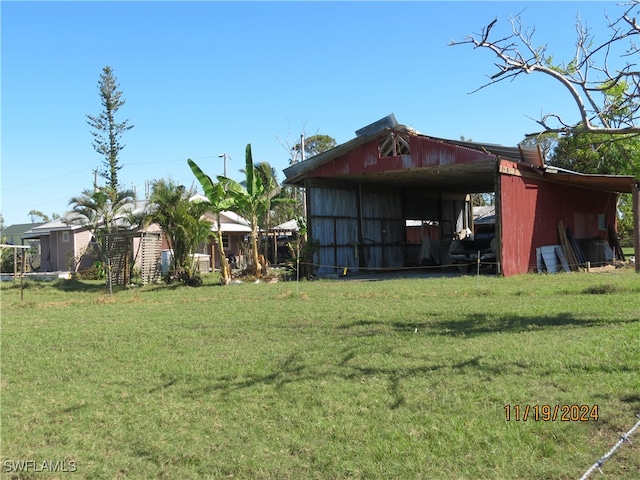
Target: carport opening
(463, 230)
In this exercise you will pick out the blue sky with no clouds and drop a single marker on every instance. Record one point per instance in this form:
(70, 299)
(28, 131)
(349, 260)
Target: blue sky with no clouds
(205, 78)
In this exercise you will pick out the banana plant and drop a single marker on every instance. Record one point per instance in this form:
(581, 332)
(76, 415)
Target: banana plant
(253, 201)
(219, 200)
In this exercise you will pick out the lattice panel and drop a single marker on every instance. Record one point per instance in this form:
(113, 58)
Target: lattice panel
(151, 257)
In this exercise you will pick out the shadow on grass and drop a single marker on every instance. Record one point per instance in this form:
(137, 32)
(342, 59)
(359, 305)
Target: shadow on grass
(353, 365)
(75, 285)
(161, 287)
(292, 370)
(482, 324)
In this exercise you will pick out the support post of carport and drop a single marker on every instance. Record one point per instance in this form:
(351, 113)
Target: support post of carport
(361, 262)
(635, 200)
(497, 202)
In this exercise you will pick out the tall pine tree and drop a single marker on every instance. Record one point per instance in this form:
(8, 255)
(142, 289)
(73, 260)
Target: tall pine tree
(107, 132)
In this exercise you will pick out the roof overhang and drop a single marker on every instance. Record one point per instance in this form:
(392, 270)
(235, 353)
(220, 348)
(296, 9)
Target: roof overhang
(231, 228)
(607, 183)
(474, 177)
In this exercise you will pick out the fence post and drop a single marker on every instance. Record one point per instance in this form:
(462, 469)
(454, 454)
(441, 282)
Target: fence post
(635, 200)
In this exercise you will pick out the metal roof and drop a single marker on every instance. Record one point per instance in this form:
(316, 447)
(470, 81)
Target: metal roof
(477, 176)
(465, 175)
(288, 226)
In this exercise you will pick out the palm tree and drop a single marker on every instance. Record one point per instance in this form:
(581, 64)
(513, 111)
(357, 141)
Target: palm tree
(99, 209)
(219, 201)
(181, 221)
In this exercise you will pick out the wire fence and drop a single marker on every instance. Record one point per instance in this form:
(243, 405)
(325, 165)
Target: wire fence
(468, 266)
(462, 267)
(623, 438)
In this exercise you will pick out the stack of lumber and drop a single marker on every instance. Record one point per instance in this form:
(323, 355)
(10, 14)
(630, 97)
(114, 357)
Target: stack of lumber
(569, 252)
(613, 240)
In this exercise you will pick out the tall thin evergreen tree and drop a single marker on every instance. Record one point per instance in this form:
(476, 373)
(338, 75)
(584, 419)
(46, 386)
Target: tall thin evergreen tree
(107, 132)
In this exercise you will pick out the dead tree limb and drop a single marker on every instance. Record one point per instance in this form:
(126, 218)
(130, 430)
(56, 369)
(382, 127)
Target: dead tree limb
(607, 98)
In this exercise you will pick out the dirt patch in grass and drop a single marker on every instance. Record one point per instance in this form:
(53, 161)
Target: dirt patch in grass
(290, 294)
(106, 299)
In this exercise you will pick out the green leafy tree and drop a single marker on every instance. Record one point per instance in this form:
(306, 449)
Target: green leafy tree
(598, 154)
(104, 211)
(183, 224)
(219, 201)
(269, 180)
(107, 131)
(315, 145)
(6, 255)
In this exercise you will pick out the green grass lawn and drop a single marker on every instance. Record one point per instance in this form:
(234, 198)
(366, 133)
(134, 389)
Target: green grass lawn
(396, 379)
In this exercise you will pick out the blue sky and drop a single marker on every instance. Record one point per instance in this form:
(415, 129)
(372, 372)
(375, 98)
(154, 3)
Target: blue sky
(205, 78)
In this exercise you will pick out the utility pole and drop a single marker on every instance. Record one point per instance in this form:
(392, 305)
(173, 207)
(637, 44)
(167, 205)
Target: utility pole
(224, 156)
(304, 194)
(95, 180)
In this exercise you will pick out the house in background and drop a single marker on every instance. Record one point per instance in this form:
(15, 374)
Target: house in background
(235, 229)
(12, 234)
(66, 246)
(363, 195)
(69, 246)
(62, 246)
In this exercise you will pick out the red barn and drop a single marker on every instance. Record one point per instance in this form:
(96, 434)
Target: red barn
(366, 197)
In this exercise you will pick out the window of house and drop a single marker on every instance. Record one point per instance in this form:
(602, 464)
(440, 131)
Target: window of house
(65, 236)
(225, 241)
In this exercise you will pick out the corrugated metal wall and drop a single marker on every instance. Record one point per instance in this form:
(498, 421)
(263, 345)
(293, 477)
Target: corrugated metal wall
(425, 152)
(333, 221)
(373, 240)
(383, 230)
(365, 229)
(531, 209)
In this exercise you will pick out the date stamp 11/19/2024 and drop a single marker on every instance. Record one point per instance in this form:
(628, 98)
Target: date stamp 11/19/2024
(551, 413)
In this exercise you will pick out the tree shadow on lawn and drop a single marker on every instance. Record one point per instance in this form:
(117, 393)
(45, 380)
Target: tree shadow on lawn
(482, 324)
(75, 285)
(346, 369)
(353, 365)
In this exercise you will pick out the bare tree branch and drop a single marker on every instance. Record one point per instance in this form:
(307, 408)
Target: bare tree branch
(607, 99)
